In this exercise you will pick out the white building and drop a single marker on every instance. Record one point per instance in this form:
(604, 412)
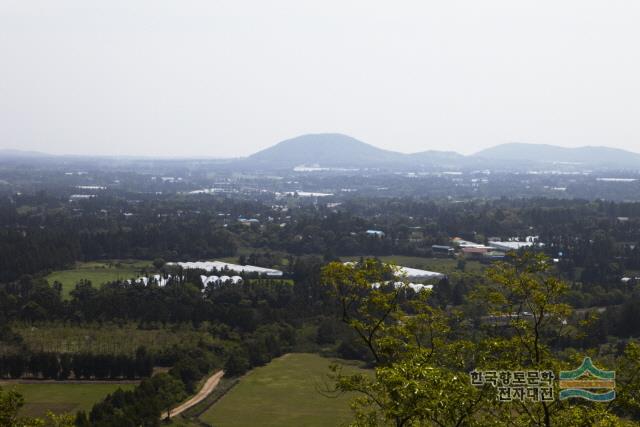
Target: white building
(225, 266)
(510, 246)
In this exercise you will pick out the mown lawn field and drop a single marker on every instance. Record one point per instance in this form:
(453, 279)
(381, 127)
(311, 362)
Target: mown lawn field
(61, 398)
(97, 272)
(286, 392)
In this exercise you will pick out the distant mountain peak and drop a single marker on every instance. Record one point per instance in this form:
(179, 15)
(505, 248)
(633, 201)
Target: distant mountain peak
(324, 149)
(537, 153)
(11, 152)
(336, 150)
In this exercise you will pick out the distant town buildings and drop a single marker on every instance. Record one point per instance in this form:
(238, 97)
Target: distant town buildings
(495, 249)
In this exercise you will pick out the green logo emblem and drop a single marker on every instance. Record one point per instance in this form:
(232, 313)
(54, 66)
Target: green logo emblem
(584, 381)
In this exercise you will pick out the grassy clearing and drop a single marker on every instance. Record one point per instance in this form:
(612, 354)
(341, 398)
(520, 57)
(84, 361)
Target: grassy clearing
(286, 392)
(107, 338)
(97, 272)
(61, 398)
(441, 265)
(184, 422)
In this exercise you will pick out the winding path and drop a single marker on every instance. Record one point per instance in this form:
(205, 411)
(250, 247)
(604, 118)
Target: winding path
(206, 389)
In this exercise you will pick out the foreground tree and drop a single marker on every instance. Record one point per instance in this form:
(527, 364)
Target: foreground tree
(423, 355)
(527, 318)
(419, 369)
(10, 404)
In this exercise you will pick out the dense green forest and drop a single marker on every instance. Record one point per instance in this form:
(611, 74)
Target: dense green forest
(319, 304)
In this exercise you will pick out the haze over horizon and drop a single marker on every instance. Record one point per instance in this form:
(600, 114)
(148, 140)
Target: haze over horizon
(231, 78)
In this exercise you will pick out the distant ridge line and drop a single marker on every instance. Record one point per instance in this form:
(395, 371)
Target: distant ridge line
(343, 151)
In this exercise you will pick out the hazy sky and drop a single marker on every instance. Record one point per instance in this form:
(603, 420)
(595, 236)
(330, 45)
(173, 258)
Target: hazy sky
(225, 78)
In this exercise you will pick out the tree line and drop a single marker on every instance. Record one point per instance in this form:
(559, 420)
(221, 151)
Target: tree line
(80, 366)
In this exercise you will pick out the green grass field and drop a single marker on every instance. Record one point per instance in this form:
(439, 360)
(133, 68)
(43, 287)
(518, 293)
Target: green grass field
(107, 338)
(103, 272)
(61, 398)
(286, 392)
(97, 272)
(441, 265)
(182, 422)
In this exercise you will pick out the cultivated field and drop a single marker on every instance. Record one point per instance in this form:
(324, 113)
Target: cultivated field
(286, 392)
(97, 272)
(62, 397)
(106, 338)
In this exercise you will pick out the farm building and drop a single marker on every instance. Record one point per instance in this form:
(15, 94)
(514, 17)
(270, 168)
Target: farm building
(466, 243)
(440, 250)
(476, 250)
(225, 266)
(510, 246)
(413, 273)
(417, 274)
(249, 222)
(375, 233)
(416, 287)
(158, 279)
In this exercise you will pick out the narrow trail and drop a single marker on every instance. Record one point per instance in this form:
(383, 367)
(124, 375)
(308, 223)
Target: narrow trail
(206, 389)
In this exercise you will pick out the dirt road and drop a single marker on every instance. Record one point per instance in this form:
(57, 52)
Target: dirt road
(206, 389)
